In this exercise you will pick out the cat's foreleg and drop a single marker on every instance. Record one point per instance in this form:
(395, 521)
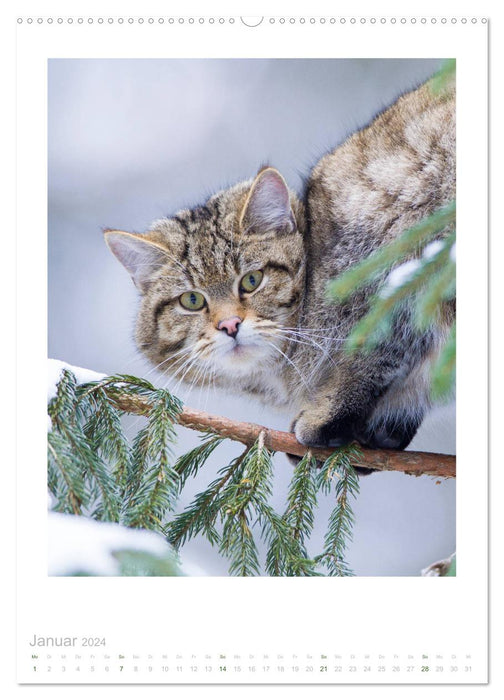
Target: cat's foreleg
(343, 406)
(333, 418)
(329, 421)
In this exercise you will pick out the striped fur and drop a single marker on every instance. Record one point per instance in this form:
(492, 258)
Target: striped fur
(288, 347)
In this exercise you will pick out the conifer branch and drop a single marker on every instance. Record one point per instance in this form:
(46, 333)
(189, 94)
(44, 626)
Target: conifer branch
(414, 463)
(94, 469)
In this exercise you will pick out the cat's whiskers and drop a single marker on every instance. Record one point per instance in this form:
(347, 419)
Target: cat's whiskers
(169, 380)
(199, 375)
(212, 372)
(307, 341)
(214, 378)
(274, 334)
(134, 356)
(182, 352)
(316, 332)
(294, 339)
(198, 353)
(203, 375)
(184, 360)
(307, 333)
(135, 423)
(323, 343)
(301, 376)
(182, 371)
(326, 343)
(265, 322)
(289, 337)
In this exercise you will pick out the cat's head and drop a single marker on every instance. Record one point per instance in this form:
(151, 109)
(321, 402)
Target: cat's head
(219, 282)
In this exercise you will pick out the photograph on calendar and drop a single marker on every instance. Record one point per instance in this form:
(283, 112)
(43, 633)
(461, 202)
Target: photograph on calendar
(251, 317)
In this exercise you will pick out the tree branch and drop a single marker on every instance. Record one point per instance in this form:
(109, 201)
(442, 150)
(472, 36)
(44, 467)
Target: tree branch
(414, 463)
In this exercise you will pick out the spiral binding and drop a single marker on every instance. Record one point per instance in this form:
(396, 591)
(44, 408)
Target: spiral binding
(250, 21)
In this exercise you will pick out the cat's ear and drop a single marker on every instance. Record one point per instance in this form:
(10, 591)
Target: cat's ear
(139, 256)
(268, 205)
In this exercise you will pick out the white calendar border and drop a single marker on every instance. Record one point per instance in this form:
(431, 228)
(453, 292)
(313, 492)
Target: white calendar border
(471, 197)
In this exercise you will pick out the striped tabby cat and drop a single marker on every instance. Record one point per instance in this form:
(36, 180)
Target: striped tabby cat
(233, 292)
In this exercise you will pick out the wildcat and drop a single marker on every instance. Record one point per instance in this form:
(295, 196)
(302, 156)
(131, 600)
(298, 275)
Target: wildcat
(233, 292)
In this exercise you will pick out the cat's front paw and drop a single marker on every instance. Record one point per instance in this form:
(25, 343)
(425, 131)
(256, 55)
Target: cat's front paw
(392, 434)
(297, 430)
(312, 431)
(334, 433)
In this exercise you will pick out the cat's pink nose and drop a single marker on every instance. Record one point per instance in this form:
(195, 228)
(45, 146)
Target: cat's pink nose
(230, 325)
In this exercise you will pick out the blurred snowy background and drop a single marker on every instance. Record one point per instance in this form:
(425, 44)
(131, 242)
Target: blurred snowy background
(133, 140)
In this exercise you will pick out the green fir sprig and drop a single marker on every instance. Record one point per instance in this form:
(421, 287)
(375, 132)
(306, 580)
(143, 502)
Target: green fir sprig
(444, 77)
(423, 294)
(409, 244)
(338, 473)
(95, 470)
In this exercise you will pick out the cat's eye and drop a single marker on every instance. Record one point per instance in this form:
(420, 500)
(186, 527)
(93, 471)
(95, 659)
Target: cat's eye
(251, 281)
(193, 301)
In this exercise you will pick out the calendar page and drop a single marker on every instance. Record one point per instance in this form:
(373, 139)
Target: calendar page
(246, 461)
